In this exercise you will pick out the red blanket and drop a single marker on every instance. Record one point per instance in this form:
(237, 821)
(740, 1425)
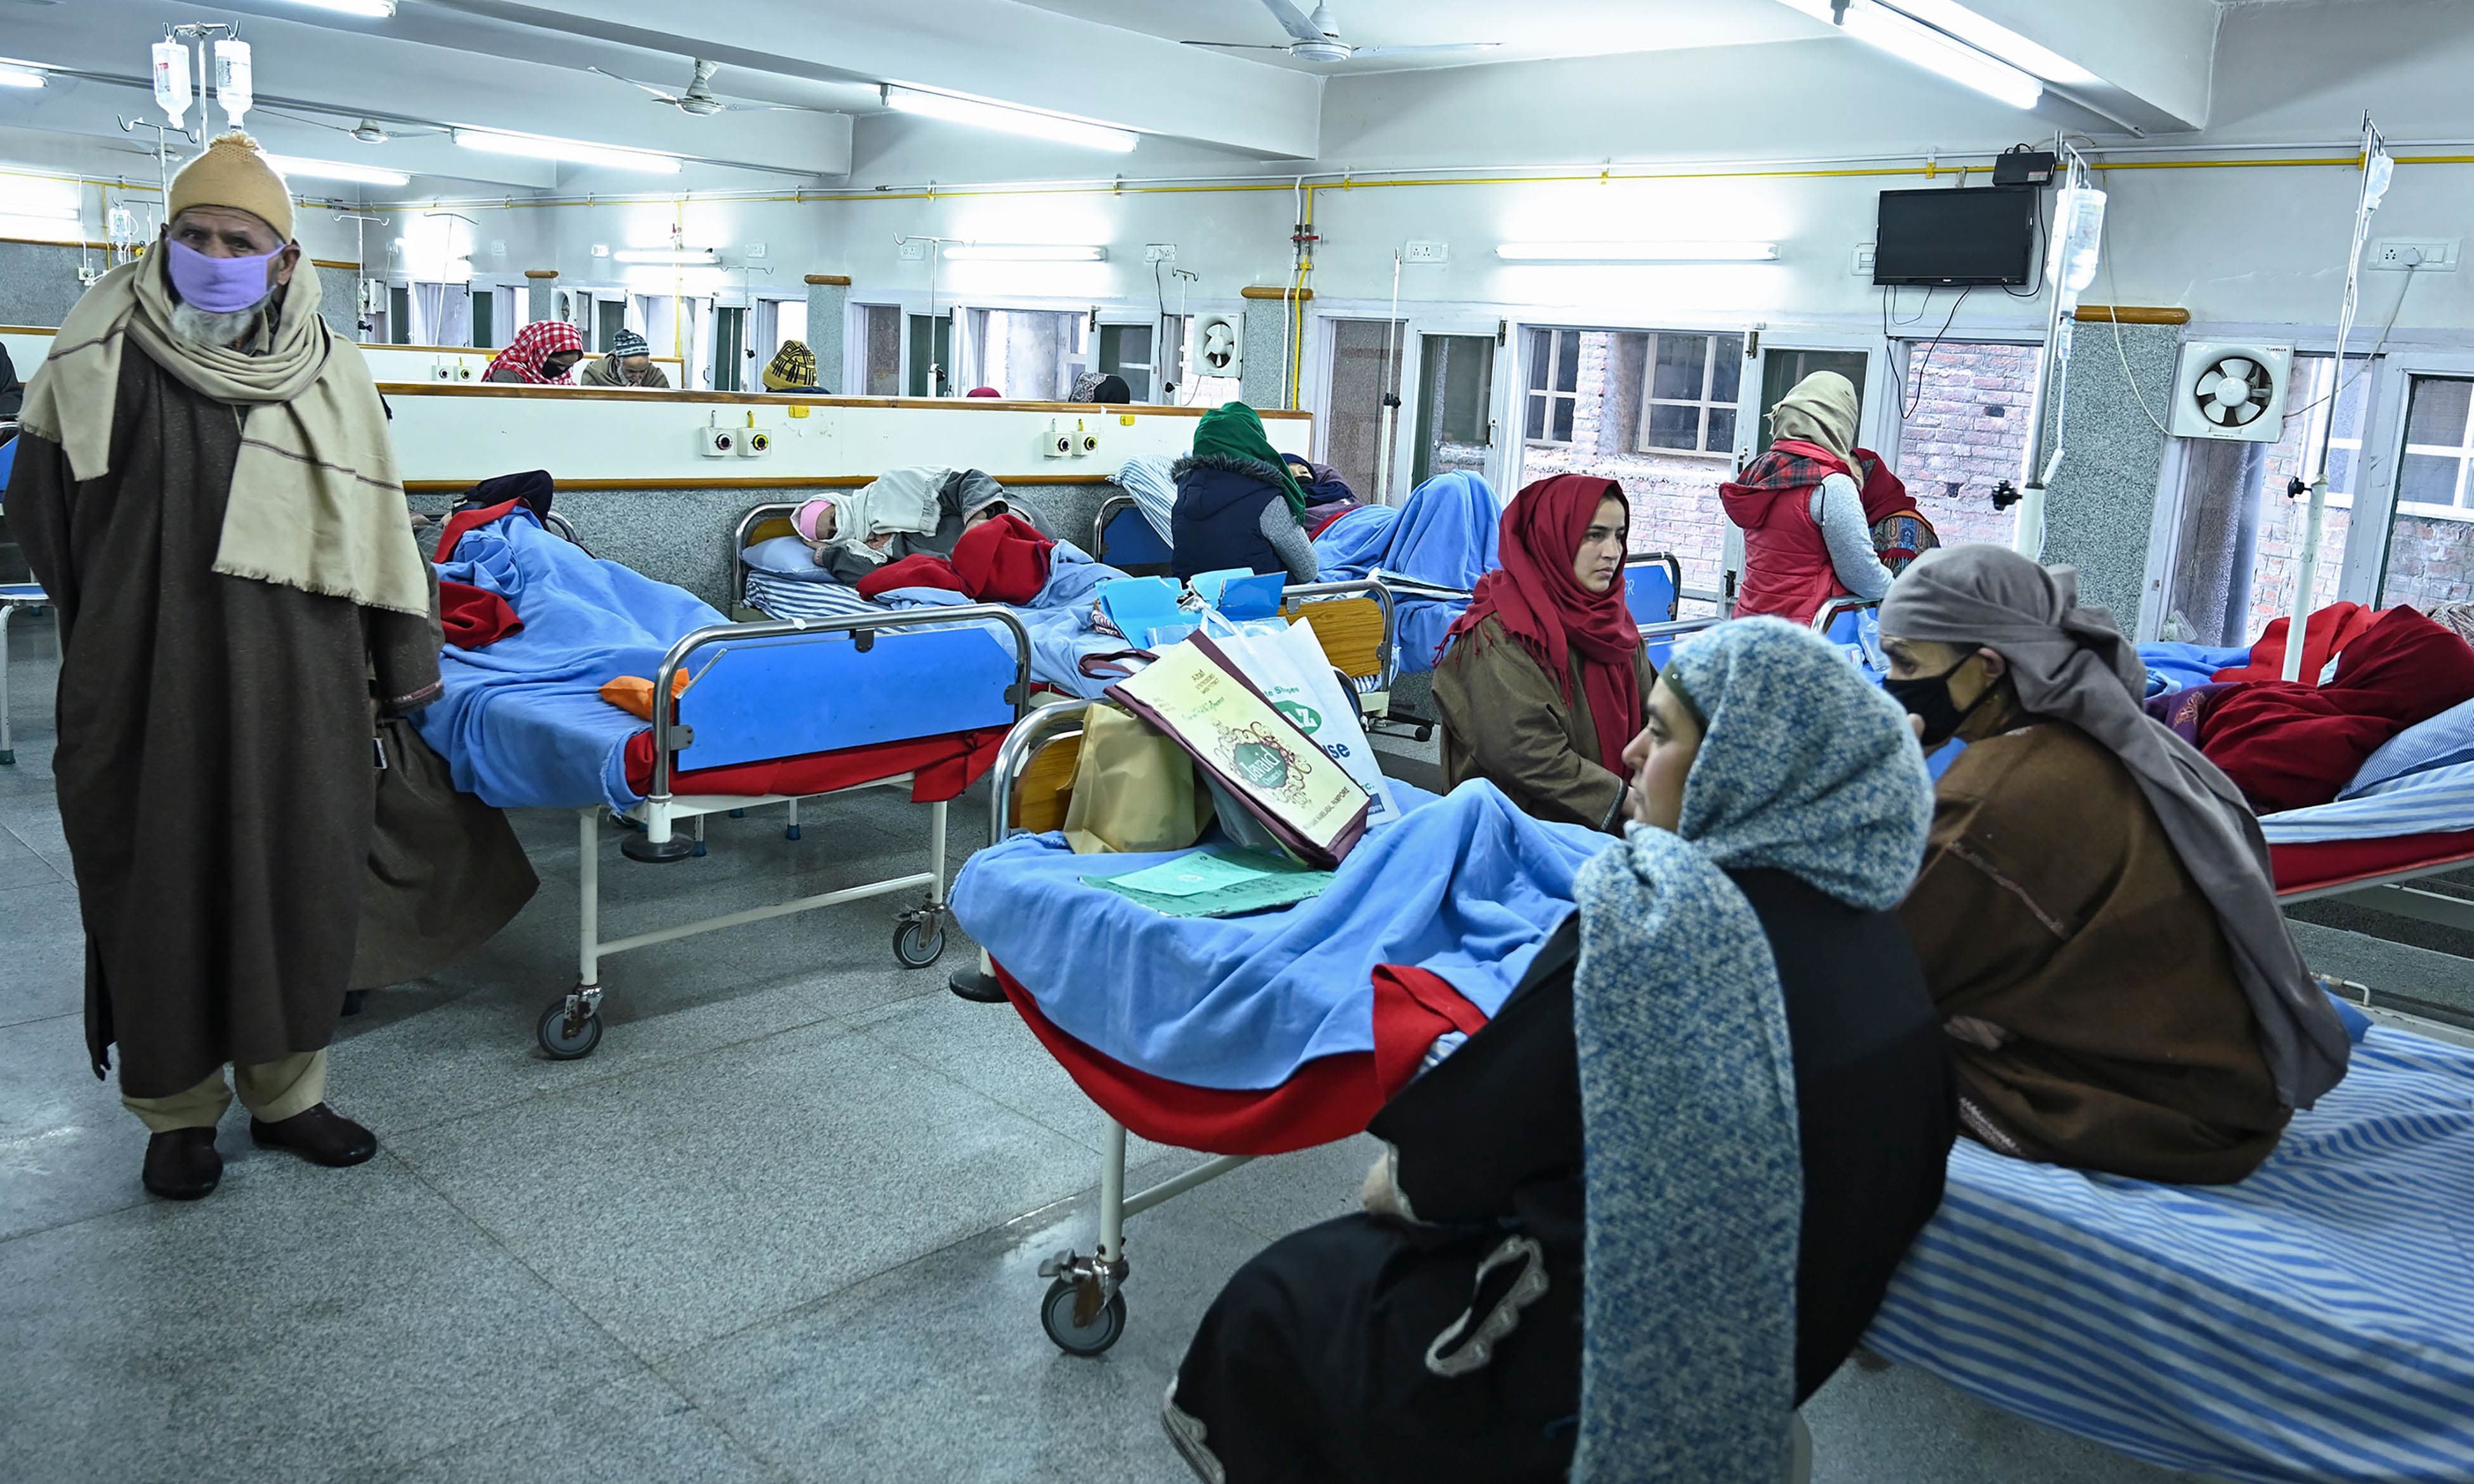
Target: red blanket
(1328, 1098)
(2291, 744)
(1003, 559)
(940, 768)
(924, 570)
(2327, 634)
(473, 616)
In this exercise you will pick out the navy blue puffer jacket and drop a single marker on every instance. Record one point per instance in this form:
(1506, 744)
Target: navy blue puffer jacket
(1216, 523)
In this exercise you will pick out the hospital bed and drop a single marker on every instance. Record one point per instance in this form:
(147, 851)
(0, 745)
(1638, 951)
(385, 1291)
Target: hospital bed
(1355, 621)
(1123, 538)
(776, 712)
(2313, 1323)
(15, 598)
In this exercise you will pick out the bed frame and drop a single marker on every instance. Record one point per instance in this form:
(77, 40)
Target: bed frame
(789, 690)
(14, 598)
(1083, 1310)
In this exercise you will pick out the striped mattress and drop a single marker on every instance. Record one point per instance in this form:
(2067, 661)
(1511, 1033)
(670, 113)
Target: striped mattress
(2313, 1323)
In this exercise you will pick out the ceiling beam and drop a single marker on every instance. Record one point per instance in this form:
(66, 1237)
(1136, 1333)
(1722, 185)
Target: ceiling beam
(995, 50)
(349, 73)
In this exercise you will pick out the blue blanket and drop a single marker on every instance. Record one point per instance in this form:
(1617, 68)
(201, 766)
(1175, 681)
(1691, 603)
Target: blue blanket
(1446, 534)
(2181, 666)
(1242, 1003)
(521, 723)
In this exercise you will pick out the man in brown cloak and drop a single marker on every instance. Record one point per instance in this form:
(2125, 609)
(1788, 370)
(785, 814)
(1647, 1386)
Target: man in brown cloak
(207, 491)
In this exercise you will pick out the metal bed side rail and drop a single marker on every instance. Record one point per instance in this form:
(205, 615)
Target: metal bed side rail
(1829, 611)
(1108, 508)
(666, 725)
(755, 516)
(1673, 563)
(1315, 592)
(1676, 627)
(1044, 725)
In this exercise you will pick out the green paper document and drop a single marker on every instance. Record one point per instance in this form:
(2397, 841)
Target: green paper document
(1216, 884)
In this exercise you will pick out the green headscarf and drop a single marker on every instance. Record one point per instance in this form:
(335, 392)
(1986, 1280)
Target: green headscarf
(1232, 431)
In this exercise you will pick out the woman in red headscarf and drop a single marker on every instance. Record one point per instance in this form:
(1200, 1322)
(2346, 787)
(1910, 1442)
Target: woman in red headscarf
(1541, 683)
(542, 354)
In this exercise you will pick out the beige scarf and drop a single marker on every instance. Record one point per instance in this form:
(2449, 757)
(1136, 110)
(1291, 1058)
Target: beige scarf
(315, 502)
(1822, 409)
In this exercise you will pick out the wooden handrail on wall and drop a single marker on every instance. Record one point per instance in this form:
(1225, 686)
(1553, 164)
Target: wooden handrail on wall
(2129, 314)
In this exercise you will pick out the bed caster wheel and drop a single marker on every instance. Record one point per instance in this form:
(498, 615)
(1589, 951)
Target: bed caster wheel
(8, 758)
(1079, 1324)
(919, 940)
(791, 833)
(978, 987)
(569, 1031)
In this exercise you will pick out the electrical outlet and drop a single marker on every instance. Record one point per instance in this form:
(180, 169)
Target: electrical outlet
(601, 249)
(1159, 252)
(911, 251)
(717, 443)
(756, 250)
(1426, 252)
(1861, 264)
(754, 442)
(1058, 445)
(2420, 255)
(497, 249)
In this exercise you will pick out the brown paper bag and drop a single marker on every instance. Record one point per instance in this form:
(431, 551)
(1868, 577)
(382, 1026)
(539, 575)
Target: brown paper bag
(1134, 789)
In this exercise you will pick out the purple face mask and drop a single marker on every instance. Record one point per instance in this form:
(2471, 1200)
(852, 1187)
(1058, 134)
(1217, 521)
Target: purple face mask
(218, 285)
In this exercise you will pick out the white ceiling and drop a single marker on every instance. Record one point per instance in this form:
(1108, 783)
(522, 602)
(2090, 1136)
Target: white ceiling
(1536, 30)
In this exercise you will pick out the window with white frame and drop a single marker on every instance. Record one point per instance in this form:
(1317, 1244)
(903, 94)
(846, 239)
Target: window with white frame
(2438, 450)
(1554, 384)
(1689, 388)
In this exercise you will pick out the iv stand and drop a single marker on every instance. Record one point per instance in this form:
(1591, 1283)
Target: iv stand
(2374, 147)
(2044, 407)
(935, 250)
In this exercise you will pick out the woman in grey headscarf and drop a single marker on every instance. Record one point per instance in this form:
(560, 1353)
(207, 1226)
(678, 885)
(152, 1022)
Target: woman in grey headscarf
(2096, 913)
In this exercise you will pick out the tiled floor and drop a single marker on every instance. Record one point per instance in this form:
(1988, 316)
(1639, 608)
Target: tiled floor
(784, 1225)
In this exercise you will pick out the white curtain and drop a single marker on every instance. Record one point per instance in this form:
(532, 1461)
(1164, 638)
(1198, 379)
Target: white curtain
(428, 312)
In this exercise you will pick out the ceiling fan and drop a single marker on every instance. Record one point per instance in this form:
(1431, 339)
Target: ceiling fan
(698, 99)
(1315, 38)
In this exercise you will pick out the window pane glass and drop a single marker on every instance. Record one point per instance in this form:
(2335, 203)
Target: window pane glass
(1542, 356)
(2429, 480)
(1537, 425)
(2341, 471)
(1722, 430)
(2439, 415)
(1676, 372)
(1674, 425)
(2354, 402)
(2429, 561)
(1726, 376)
(1567, 361)
(1563, 420)
(1455, 390)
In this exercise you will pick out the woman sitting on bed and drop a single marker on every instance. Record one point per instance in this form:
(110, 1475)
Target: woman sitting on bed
(1654, 1203)
(2095, 915)
(1541, 681)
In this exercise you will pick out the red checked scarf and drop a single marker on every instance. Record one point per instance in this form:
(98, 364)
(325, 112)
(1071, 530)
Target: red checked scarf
(533, 345)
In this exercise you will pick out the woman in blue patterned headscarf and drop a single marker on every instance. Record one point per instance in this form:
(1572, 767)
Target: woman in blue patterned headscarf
(1631, 1224)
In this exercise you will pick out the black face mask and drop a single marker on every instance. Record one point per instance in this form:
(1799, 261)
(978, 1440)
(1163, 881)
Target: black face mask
(1926, 697)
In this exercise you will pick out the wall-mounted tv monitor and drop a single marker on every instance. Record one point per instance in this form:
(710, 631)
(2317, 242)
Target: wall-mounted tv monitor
(1950, 238)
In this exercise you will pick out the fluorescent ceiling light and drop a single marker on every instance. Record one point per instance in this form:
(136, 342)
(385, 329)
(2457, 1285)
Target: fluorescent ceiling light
(40, 211)
(2000, 41)
(20, 76)
(1913, 40)
(568, 151)
(672, 257)
(1636, 252)
(374, 9)
(1012, 121)
(332, 170)
(1023, 253)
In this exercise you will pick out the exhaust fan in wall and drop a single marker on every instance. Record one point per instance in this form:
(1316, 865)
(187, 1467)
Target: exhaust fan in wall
(1219, 347)
(2232, 393)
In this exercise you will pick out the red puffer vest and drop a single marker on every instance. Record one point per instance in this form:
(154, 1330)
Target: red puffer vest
(1787, 569)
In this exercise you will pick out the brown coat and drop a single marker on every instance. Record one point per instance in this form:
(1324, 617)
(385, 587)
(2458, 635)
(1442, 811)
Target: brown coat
(216, 771)
(602, 371)
(2090, 995)
(1506, 721)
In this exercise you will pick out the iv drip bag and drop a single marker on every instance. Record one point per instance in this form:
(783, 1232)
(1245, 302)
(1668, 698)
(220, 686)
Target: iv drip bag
(2382, 169)
(2078, 232)
(172, 79)
(231, 79)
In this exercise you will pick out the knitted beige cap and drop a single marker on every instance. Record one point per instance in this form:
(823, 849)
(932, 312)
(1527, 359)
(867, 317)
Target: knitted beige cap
(233, 173)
